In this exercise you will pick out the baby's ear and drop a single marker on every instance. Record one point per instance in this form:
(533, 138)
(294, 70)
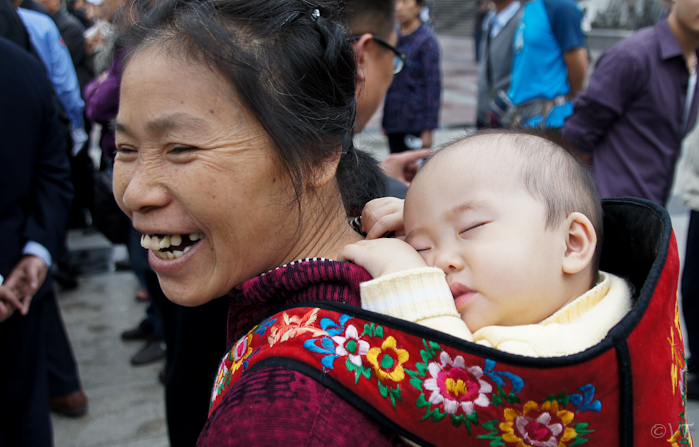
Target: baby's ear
(581, 241)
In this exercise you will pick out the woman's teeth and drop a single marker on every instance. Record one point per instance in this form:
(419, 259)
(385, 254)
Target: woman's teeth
(161, 244)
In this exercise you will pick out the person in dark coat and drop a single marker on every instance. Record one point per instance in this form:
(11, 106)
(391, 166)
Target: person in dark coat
(35, 196)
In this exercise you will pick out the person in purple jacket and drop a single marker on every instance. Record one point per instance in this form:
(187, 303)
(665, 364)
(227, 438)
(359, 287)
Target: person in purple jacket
(640, 103)
(411, 108)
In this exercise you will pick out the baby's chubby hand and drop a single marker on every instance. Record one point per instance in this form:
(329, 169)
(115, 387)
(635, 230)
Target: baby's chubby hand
(382, 256)
(381, 216)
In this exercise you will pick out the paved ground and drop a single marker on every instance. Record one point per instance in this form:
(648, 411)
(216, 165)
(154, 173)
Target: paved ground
(126, 403)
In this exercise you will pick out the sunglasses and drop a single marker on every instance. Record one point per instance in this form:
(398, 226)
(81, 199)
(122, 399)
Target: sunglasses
(398, 57)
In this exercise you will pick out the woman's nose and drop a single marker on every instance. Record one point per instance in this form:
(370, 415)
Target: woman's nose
(138, 189)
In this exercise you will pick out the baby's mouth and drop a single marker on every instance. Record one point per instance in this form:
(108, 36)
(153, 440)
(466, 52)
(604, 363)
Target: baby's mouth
(170, 246)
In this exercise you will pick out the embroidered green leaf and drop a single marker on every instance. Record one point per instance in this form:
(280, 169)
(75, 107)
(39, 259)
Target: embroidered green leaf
(395, 393)
(496, 399)
(417, 383)
(467, 421)
(392, 393)
(562, 398)
(581, 430)
(372, 330)
(500, 397)
(379, 332)
(360, 370)
(430, 351)
(494, 435)
(435, 414)
(513, 399)
(383, 389)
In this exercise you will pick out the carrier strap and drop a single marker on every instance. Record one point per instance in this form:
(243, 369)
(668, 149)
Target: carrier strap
(427, 386)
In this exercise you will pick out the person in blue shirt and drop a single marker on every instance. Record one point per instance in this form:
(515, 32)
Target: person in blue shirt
(549, 62)
(53, 52)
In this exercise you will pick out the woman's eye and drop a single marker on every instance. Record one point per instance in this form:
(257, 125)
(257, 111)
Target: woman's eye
(182, 149)
(125, 150)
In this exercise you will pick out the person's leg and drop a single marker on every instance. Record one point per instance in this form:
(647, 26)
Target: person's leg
(477, 44)
(24, 413)
(690, 291)
(62, 369)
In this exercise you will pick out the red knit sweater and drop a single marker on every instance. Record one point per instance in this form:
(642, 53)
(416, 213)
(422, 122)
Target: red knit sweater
(275, 406)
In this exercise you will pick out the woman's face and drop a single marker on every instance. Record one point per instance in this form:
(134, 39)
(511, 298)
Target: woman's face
(195, 170)
(407, 11)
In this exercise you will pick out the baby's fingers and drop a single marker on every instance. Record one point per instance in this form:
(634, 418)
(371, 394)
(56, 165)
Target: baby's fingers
(386, 224)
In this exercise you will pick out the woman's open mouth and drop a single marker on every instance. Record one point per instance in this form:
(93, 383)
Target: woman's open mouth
(170, 246)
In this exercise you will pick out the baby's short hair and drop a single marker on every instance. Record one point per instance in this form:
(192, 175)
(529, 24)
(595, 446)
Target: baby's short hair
(552, 173)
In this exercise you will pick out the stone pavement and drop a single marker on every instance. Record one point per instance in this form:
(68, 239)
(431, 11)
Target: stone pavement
(126, 403)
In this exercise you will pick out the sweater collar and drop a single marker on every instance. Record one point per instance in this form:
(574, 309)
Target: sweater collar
(315, 279)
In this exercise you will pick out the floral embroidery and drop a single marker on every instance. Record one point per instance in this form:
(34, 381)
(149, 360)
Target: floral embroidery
(584, 402)
(388, 360)
(337, 344)
(351, 346)
(222, 381)
(240, 353)
(455, 388)
(536, 426)
(677, 367)
(455, 385)
(290, 327)
(682, 437)
(548, 424)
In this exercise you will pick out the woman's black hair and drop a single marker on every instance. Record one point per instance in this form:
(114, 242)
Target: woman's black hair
(290, 63)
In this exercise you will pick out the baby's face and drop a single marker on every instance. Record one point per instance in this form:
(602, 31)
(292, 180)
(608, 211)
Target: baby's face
(469, 215)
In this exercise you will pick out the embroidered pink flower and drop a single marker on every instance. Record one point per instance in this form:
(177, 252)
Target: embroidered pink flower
(538, 426)
(455, 386)
(240, 352)
(350, 345)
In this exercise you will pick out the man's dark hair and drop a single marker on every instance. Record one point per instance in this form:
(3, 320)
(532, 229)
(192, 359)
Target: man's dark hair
(291, 64)
(370, 16)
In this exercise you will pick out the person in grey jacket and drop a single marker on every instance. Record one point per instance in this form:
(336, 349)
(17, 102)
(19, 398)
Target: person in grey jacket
(496, 64)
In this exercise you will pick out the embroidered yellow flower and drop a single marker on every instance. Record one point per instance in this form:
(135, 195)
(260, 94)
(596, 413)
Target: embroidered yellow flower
(538, 426)
(388, 360)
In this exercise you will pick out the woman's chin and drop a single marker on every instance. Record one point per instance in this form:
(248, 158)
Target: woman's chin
(186, 293)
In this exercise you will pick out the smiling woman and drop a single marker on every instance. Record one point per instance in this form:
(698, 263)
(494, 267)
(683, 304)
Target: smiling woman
(235, 159)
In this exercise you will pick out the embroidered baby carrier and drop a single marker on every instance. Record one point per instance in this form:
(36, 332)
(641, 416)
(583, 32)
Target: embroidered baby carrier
(435, 389)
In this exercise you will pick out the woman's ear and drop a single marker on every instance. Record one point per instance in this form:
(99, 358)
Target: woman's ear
(581, 242)
(325, 171)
